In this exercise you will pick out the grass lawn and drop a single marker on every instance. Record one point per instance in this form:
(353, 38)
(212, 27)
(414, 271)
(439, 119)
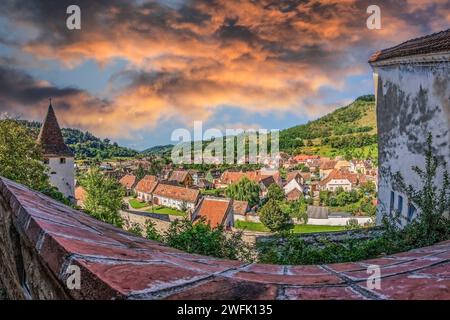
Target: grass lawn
(298, 228)
(136, 204)
(166, 210)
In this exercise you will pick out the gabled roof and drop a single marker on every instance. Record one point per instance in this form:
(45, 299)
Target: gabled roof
(51, 139)
(176, 192)
(293, 195)
(267, 181)
(328, 165)
(179, 176)
(434, 43)
(147, 184)
(353, 178)
(292, 175)
(214, 210)
(128, 181)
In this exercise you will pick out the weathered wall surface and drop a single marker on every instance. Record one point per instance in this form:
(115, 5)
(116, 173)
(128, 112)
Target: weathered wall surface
(41, 240)
(412, 100)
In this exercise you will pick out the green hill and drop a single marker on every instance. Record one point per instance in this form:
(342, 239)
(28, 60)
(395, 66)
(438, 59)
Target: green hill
(348, 131)
(158, 150)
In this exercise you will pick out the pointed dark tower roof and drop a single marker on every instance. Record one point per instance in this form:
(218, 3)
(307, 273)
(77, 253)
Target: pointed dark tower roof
(50, 138)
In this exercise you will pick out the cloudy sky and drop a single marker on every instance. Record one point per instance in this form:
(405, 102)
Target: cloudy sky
(139, 69)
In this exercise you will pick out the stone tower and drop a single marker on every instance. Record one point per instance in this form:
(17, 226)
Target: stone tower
(57, 155)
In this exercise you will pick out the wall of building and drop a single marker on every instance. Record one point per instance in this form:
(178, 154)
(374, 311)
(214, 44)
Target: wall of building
(412, 100)
(62, 176)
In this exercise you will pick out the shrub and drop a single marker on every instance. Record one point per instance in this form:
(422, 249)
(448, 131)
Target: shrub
(200, 238)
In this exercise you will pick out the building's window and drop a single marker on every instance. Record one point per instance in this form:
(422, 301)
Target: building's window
(391, 206)
(53, 172)
(411, 211)
(400, 204)
(46, 161)
(62, 160)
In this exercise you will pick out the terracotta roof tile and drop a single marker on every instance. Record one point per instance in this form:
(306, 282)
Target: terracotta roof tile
(176, 192)
(80, 194)
(179, 176)
(293, 195)
(214, 210)
(434, 43)
(128, 181)
(147, 184)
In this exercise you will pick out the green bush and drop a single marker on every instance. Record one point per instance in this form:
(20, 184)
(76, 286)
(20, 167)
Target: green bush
(200, 238)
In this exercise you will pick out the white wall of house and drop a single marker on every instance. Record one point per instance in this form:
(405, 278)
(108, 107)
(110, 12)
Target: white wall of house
(335, 184)
(412, 100)
(143, 196)
(173, 203)
(61, 175)
(319, 222)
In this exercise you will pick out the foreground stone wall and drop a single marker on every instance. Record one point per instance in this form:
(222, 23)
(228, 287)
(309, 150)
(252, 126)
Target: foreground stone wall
(42, 240)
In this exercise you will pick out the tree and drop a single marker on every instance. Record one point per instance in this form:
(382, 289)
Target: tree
(150, 231)
(21, 158)
(432, 203)
(104, 197)
(273, 217)
(140, 172)
(200, 238)
(245, 190)
(275, 192)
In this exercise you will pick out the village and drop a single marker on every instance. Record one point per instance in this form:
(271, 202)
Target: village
(331, 193)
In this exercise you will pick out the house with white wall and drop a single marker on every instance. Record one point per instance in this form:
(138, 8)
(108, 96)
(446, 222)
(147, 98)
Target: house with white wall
(412, 88)
(174, 196)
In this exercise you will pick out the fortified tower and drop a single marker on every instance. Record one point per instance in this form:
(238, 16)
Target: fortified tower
(57, 155)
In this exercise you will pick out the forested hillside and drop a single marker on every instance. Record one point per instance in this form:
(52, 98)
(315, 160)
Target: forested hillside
(349, 131)
(85, 144)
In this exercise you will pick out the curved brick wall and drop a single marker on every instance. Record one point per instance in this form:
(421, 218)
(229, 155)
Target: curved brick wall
(40, 239)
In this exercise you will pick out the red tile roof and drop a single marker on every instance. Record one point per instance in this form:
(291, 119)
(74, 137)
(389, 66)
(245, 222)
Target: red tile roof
(229, 177)
(147, 184)
(305, 157)
(50, 137)
(80, 194)
(328, 165)
(293, 175)
(179, 176)
(128, 181)
(214, 210)
(434, 43)
(293, 195)
(176, 192)
(353, 178)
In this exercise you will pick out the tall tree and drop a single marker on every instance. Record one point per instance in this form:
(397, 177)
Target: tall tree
(273, 217)
(275, 192)
(21, 159)
(104, 197)
(245, 190)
